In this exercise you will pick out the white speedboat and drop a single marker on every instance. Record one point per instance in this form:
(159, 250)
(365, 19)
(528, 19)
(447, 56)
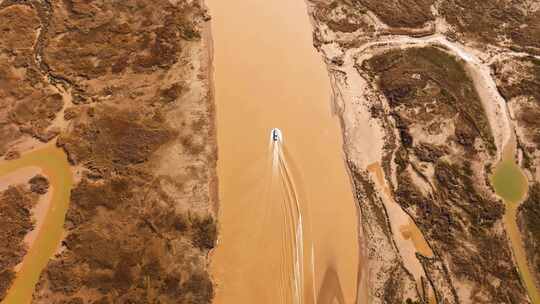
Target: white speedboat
(276, 135)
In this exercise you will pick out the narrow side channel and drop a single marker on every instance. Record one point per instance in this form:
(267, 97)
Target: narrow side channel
(54, 164)
(511, 184)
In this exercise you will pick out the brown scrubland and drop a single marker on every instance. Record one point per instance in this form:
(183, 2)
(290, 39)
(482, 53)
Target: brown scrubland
(508, 23)
(400, 13)
(458, 215)
(28, 103)
(518, 79)
(123, 87)
(15, 222)
(418, 87)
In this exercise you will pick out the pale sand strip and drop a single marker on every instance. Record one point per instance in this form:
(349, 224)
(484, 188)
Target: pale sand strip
(39, 211)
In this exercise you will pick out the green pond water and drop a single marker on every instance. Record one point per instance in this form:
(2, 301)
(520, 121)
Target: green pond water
(511, 184)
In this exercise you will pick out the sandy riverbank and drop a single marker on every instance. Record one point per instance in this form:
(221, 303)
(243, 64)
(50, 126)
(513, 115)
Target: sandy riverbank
(374, 133)
(39, 210)
(20, 176)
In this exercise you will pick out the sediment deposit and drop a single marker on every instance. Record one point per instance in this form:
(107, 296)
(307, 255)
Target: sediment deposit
(432, 92)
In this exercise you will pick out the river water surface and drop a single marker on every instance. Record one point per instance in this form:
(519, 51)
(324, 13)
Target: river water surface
(54, 165)
(267, 74)
(511, 184)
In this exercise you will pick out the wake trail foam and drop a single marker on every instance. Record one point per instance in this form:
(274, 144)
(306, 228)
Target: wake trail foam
(287, 244)
(293, 234)
(296, 217)
(310, 288)
(293, 238)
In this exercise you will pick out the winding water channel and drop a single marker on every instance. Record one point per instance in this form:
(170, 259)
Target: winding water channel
(267, 74)
(511, 184)
(53, 164)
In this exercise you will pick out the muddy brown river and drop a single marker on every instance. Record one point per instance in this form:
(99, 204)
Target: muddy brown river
(510, 183)
(267, 74)
(52, 161)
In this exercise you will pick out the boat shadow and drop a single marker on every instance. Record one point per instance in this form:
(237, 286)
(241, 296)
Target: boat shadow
(330, 290)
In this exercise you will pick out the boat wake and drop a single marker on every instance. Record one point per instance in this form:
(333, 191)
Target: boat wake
(298, 280)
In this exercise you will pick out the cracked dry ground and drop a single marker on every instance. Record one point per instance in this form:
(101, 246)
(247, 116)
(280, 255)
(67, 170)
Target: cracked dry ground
(123, 88)
(408, 97)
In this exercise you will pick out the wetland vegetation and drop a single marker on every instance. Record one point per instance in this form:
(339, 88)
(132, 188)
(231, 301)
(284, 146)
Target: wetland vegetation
(136, 124)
